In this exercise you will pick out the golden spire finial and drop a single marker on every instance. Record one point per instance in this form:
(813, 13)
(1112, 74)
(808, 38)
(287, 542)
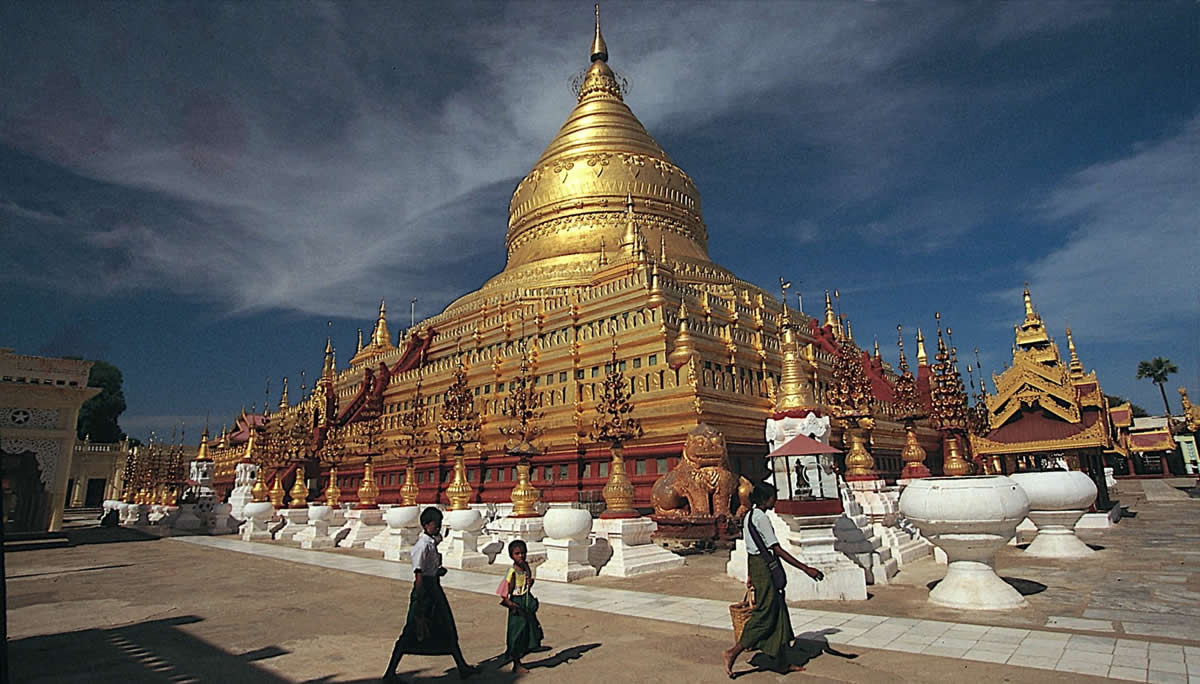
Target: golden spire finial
(849, 333)
(662, 248)
(380, 337)
(202, 455)
(684, 350)
(330, 366)
(922, 357)
(283, 400)
(1075, 366)
(878, 356)
(1029, 313)
(599, 49)
(830, 319)
(630, 241)
(359, 347)
(784, 286)
(795, 385)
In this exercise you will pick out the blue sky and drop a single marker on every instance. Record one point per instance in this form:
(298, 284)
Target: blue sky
(194, 190)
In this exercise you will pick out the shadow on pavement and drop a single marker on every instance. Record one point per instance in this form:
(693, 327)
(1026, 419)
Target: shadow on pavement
(807, 647)
(151, 651)
(1024, 586)
(82, 536)
(494, 669)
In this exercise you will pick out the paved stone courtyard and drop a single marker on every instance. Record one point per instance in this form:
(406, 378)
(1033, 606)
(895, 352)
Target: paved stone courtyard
(202, 609)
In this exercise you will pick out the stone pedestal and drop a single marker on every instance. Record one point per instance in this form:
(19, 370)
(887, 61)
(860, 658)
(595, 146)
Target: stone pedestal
(403, 527)
(218, 522)
(297, 521)
(1057, 500)
(811, 540)
(361, 525)
(526, 529)
(632, 551)
(461, 552)
(566, 546)
(188, 520)
(315, 534)
(856, 533)
(258, 521)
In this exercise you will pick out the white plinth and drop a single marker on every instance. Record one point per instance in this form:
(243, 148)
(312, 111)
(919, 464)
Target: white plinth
(297, 521)
(361, 526)
(566, 561)
(315, 535)
(632, 551)
(461, 551)
(1056, 536)
(188, 521)
(258, 521)
(526, 529)
(1057, 500)
(811, 541)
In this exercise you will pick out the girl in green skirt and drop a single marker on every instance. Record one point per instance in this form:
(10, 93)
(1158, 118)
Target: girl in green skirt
(769, 628)
(524, 630)
(429, 629)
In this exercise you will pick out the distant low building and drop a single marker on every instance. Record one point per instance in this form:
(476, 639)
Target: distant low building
(97, 473)
(40, 399)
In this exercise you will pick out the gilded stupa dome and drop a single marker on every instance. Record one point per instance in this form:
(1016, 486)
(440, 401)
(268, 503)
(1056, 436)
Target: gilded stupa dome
(572, 212)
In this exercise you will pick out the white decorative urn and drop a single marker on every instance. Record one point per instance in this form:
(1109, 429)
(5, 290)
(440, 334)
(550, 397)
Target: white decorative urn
(469, 520)
(1057, 500)
(258, 510)
(320, 513)
(970, 519)
(567, 523)
(401, 517)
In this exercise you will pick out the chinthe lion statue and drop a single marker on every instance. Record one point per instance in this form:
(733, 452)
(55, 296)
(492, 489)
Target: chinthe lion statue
(702, 486)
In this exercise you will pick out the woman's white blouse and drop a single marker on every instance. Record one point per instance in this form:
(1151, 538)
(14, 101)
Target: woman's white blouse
(762, 523)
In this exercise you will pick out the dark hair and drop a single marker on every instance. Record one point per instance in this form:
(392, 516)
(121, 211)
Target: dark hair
(762, 493)
(517, 544)
(429, 515)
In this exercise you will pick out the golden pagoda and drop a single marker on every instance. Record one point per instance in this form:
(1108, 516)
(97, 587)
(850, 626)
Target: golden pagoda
(1048, 408)
(697, 343)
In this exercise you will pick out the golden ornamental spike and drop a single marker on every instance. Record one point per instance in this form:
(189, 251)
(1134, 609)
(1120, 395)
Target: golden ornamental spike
(368, 490)
(410, 490)
(521, 406)
(913, 455)
(277, 492)
(953, 464)
(599, 49)
(299, 491)
(333, 495)
(859, 463)
(615, 426)
(459, 424)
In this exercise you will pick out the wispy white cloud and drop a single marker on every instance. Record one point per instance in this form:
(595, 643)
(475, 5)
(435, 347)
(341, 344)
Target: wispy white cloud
(314, 162)
(1129, 269)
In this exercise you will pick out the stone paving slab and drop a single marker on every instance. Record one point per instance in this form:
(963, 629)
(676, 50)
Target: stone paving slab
(1047, 650)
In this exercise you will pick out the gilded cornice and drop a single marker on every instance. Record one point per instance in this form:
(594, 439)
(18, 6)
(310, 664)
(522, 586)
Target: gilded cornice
(1094, 435)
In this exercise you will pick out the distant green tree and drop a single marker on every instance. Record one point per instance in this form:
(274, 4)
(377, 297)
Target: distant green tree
(1117, 400)
(98, 415)
(1157, 370)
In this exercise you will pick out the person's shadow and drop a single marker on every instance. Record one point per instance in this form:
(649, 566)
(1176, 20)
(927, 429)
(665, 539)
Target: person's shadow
(806, 647)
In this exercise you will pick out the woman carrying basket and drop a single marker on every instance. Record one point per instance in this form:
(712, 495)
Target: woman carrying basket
(769, 628)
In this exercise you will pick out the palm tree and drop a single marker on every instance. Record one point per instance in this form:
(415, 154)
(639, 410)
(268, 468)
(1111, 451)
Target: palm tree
(1157, 371)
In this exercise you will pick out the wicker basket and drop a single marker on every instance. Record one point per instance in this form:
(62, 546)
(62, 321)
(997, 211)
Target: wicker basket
(739, 614)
